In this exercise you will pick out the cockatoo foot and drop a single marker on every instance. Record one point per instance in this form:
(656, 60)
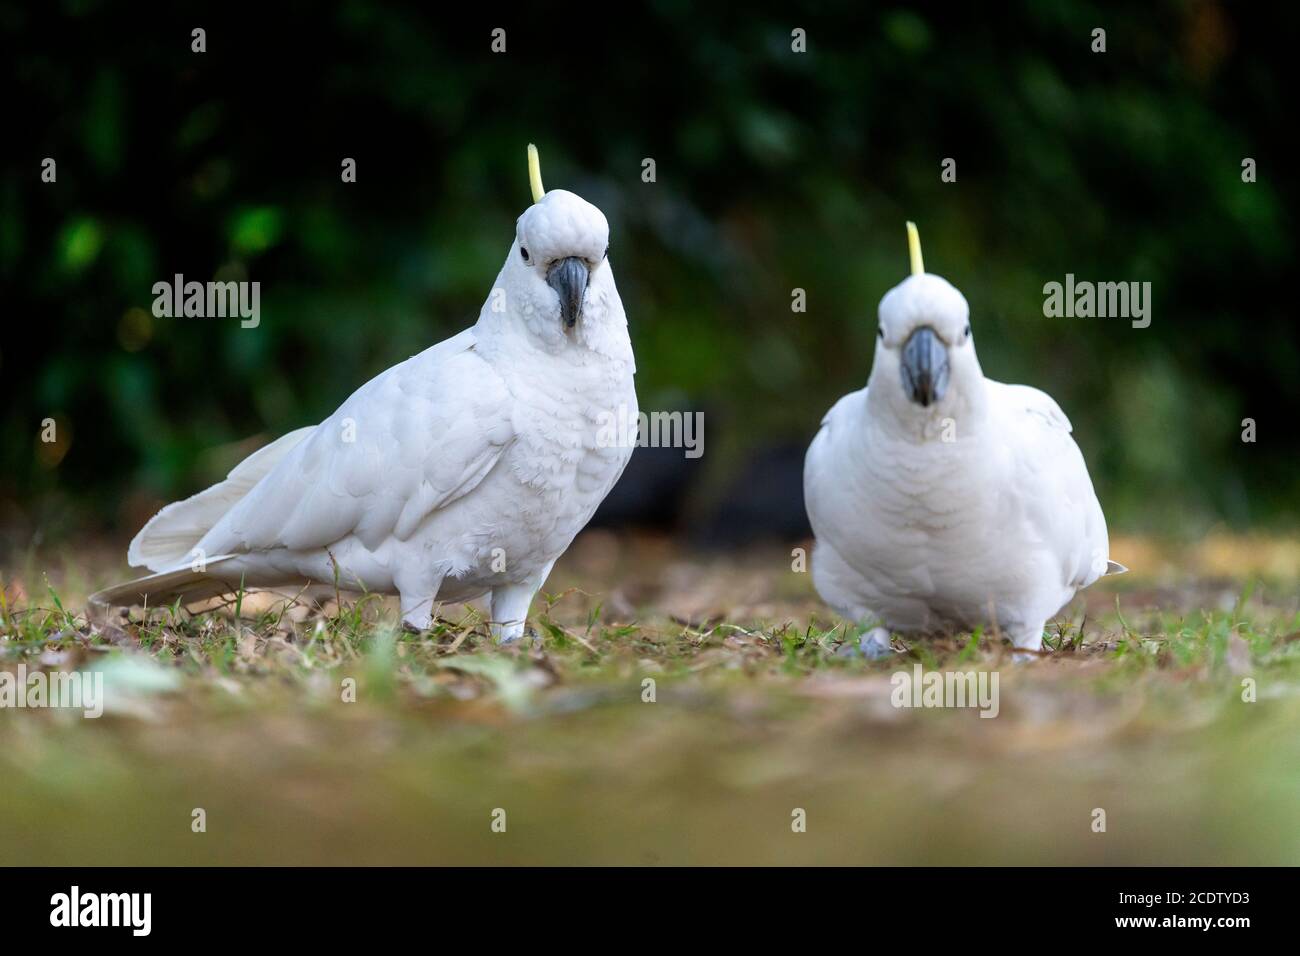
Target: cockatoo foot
(418, 618)
(418, 594)
(510, 604)
(873, 645)
(507, 633)
(1028, 644)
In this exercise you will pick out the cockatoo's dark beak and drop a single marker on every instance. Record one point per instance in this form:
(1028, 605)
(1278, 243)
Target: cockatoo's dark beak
(568, 278)
(924, 367)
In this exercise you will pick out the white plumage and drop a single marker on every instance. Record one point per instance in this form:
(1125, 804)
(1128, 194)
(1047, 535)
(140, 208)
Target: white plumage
(465, 470)
(942, 500)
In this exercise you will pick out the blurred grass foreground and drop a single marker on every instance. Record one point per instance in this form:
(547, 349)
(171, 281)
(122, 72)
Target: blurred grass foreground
(678, 709)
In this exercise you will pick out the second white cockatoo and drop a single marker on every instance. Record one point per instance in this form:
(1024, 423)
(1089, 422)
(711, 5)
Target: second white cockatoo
(942, 500)
(464, 471)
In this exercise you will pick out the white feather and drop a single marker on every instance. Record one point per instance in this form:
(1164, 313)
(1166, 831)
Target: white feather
(977, 510)
(466, 469)
(170, 535)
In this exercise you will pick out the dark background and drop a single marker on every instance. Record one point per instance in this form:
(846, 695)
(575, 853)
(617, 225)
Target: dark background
(775, 170)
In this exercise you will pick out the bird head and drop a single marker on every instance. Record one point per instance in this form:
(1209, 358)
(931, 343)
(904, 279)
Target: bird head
(925, 362)
(558, 266)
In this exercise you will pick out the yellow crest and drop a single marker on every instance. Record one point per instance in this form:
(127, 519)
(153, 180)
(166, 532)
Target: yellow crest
(914, 249)
(535, 173)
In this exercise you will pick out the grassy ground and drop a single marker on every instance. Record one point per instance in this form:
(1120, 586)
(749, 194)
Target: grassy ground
(758, 711)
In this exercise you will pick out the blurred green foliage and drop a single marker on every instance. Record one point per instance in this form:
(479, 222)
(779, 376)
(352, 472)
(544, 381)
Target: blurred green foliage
(775, 170)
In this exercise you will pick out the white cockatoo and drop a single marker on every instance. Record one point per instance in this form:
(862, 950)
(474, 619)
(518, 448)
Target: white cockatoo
(942, 500)
(464, 471)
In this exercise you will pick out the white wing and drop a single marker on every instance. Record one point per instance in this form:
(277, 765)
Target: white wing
(168, 537)
(405, 444)
(1051, 481)
(830, 489)
(820, 463)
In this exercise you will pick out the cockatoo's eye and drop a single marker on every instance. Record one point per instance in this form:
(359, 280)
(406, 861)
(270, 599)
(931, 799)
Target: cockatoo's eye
(880, 333)
(524, 252)
(606, 255)
(966, 334)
